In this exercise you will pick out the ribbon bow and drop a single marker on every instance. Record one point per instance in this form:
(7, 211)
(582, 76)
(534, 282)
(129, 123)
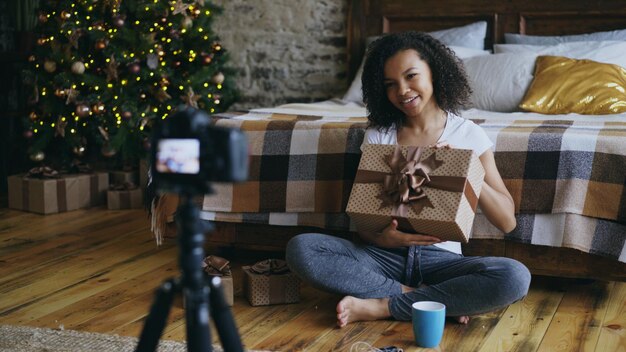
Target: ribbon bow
(216, 266)
(42, 172)
(126, 186)
(270, 267)
(403, 186)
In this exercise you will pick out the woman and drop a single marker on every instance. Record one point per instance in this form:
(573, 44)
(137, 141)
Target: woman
(413, 88)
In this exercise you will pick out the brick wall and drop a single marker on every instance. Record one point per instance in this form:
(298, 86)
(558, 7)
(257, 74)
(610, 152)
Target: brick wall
(285, 50)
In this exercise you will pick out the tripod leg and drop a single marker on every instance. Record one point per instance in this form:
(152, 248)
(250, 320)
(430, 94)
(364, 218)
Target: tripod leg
(157, 318)
(197, 320)
(223, 318)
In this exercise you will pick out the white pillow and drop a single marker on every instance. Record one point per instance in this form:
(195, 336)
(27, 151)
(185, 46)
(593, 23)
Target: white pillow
(355, 92)
(513, 38)
(611, 52)
(470, 37)
(500, 81)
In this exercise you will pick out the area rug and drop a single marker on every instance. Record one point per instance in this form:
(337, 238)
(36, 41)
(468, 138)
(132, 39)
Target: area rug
(28, 339)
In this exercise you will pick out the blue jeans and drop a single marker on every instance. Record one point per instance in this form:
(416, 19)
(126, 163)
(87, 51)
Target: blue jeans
(466, 285)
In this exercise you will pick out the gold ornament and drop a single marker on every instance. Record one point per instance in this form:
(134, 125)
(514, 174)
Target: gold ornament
(79, 150)
(127, 115)
(78, 68)
(180, 7)
(59, 93)
(50, 66)
(37, 156)
(98, 108)
(66, 15)
(190, 99)
(101, 44)
(82, 110)
(111, 69)
(33, 116)
(218, 78)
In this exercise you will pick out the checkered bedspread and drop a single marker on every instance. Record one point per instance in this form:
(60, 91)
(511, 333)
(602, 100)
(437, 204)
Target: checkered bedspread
(303, 163)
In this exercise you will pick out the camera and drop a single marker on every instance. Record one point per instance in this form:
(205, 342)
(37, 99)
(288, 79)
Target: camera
(189, 152)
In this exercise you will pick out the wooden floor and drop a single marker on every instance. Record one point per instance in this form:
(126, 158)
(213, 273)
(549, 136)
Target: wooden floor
(96, 270)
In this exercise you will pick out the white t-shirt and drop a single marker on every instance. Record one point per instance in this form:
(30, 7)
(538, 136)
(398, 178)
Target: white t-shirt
(458, 132)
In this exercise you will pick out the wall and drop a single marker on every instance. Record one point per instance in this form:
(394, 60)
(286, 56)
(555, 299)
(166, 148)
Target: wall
(285, 50)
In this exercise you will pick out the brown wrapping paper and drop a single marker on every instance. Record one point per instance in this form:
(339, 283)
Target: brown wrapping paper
(124, 199)
(270, 288)
(443, 206)
(43, 196)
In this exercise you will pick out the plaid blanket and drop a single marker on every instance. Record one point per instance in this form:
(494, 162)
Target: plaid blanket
(569, 168)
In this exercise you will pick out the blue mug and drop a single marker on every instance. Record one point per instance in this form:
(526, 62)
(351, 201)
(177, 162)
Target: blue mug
(428, 322)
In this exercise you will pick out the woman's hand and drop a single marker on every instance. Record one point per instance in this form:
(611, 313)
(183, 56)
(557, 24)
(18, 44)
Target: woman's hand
(441, 145)
(391, 237)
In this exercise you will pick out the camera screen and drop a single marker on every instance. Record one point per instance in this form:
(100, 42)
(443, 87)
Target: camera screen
(178, 156)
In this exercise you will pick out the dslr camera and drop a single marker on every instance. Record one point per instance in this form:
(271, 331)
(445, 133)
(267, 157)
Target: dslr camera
(189, 152)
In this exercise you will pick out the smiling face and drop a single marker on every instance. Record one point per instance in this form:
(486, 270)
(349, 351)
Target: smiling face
(409, 85)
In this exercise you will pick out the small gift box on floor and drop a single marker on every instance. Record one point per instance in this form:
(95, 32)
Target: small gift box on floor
(429, 191)
(43, 190)
(218, 266)
(124, 196)
(270, 282)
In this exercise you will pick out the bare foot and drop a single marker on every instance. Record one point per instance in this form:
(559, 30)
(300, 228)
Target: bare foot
(351, 309)
(464, 319)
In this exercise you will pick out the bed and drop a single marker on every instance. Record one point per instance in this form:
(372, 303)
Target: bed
(566, 171)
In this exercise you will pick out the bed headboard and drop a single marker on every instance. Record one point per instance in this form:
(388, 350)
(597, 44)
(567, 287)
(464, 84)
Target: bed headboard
(534, 17)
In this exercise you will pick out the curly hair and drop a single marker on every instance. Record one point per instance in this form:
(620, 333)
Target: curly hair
(451, 88)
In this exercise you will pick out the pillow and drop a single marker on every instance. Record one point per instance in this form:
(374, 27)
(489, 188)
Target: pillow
(499, 81)
(512, 38)
(471, 36)
(612, 52)
(563, 85)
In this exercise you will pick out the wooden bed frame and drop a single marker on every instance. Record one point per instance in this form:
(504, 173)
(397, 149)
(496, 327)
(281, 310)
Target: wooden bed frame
(534, 17)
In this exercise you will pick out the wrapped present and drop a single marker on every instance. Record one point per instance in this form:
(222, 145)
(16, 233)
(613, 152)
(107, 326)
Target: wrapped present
(270, 282)
(121, 177)
(45, 191)
(124, 196)
(429, 191)
(218, 266)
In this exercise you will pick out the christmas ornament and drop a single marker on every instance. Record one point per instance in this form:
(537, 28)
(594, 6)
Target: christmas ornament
(33, 116)
(34, 99)
(50, 66)
(111, 69)
(134, 68)
(218, 78)
(190, 99)
(71, 95)
(98, 108)
(65, 15)
(82, 110)
(32, 58)
(206, 59)
(127, 115)
(119, 21)
(59, 128)
(152, 60)
(43, 18)
(108, 151)
(187, 22)
(41, 41)
(160, 51)
(78, 68)
(28, 134)
(37, 156)
(59, 93)
(79, 150)
(176, 64)
(179, 7)
(101, 44)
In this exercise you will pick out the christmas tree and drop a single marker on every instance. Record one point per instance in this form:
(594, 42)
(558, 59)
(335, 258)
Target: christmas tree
(104, 70)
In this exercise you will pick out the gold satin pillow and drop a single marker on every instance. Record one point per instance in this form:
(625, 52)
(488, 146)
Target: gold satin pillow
(563, 85)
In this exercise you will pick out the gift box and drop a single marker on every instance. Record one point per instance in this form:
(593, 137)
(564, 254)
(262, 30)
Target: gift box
(124, 196)
(270, 282)
(218, 266)
(46, 192)
(121, 177)
(429, 191)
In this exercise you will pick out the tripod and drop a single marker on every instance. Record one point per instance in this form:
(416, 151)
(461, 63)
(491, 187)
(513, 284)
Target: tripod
(203, 297)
